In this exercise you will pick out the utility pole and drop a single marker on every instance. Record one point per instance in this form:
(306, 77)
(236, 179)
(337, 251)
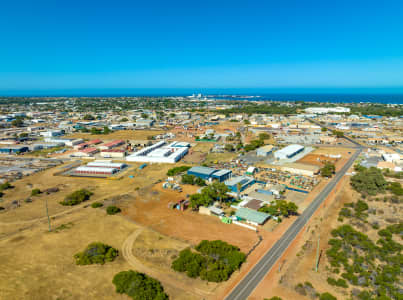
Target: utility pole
(47, 213)
(317, 255)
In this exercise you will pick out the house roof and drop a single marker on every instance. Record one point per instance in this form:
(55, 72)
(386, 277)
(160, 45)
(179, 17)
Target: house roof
(254, 204)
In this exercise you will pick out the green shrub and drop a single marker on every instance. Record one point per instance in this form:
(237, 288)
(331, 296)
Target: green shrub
(96, 253)
(327, 296)
(177, 170)
(112, 210)
(5, 186)
(339, 282)
(215, 262)
(96, 204)
(138, 286)
(77, 197)
(35, 192)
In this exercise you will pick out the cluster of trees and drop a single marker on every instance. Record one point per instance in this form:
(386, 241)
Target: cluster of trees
(338, 133)
(280, 208)
(328, 170)
(177, 170)
(193, 180)
(139, 286)
(96, 253)
(377, 109)
(368, 181)
(18, 122)
(105, 130)
(77, 197)
(253, 145)
(88, 117)
(250, 108)
(214, 261)
(359, 210)
(209, 194)
(364, 263)
(389, 173)
(396, 188)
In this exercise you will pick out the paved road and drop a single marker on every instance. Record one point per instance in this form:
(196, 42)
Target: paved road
(259, 271)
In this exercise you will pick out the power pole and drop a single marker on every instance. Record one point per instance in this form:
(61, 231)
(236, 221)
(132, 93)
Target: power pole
(317, 255)
(47, 213)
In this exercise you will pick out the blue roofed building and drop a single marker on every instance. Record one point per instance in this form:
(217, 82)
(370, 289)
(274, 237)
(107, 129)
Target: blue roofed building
(244, 182)
(201, 172)
(207, 173)
(222, 175)
(14, 149)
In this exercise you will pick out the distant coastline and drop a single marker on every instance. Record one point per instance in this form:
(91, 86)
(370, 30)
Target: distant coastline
(342, 96)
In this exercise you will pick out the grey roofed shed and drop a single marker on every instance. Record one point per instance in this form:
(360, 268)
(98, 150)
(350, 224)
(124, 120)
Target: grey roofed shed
(252, 215)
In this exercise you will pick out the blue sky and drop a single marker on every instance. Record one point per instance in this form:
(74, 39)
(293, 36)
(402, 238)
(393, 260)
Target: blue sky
(47, 45)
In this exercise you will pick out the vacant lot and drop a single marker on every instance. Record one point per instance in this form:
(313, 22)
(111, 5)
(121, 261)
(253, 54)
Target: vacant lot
(151, 209)
(317, 160)
(118, 135)
(213, 158)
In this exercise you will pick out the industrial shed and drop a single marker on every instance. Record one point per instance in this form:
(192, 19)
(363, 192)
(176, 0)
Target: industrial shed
(201, 172)
(14, 149)
(252, 216)
(207, 173)
(102, 164)
(159, 153)
(87, 152)
(245, 182)
(301, 169)
(117, 153)
(288, 151)
(265, 150)
(112, 144)
(95, 170)
(222, 175)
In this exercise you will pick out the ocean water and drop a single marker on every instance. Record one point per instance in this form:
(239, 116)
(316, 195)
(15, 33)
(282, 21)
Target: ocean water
(387, 96)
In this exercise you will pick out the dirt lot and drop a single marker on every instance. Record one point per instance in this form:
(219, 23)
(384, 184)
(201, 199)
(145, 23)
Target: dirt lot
(317, 160)
(187, 226)
(117, 135)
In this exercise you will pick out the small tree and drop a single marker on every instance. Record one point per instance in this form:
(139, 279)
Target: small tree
(35, 192)
(96, 253)
(96, 204)
(112, 210)
(138, 286)
(89, 117)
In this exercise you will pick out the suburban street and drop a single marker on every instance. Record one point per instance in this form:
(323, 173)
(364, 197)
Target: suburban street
(246, 286)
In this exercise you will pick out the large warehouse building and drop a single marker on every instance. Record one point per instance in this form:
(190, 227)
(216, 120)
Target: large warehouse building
(288, 151)
(207, 173)
(95, 170)
(161, 153)
(104, 164)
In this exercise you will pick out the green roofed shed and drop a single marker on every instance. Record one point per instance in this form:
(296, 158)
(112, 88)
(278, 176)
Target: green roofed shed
(251, 215)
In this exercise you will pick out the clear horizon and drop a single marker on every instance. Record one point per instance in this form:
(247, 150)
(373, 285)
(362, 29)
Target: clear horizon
(50, 45)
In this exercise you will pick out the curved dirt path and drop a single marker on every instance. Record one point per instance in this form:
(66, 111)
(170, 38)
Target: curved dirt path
(127, 252)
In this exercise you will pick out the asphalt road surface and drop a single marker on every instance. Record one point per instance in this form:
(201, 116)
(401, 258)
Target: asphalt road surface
(259, 271)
